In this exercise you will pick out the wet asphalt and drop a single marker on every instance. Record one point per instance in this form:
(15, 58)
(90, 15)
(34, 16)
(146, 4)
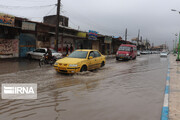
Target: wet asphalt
(122, 90)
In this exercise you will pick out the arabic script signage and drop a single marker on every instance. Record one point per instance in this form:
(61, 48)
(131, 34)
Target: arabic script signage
(6, 19)
(92, 35)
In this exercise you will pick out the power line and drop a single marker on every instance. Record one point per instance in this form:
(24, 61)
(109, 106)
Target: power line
(35, 1)
(43, 15)
(50, 10)
(5, 6)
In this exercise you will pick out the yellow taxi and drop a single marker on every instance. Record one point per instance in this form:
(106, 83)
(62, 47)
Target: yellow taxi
(80, 60)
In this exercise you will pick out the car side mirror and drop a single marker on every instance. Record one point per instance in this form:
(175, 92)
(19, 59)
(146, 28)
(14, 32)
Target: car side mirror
(90, 57)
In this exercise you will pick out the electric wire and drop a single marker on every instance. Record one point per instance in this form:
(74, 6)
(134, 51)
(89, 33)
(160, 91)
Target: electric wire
(5, 6)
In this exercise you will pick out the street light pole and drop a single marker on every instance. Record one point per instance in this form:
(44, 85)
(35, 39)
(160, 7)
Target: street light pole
(173, 46)
(178, 49)
(126, 35)
(179, 38)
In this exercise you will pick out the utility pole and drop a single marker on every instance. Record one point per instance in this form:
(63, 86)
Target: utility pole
(173, 46)
(138, 34)
(57, 25)
(141, 43)
(138, 39)
(126, 35)
(165, 45)
(146, 44)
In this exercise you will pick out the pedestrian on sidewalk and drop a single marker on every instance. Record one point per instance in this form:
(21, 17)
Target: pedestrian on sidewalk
(71, 48)
(67, 49)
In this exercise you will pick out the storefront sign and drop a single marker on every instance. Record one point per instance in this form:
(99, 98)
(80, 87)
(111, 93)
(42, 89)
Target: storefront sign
(92, 35)
(107, 39)
(6, 19)
(81, 34)
(28, 26)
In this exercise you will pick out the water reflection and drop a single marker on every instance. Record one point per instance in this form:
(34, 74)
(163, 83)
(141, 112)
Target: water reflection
(120, 90)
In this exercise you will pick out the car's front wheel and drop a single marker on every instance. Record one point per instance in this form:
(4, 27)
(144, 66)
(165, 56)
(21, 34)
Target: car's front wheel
(83, 68)
(134, 58)
(102, 64)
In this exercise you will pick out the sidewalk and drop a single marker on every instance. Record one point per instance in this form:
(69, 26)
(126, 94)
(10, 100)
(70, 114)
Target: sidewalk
(174, 99)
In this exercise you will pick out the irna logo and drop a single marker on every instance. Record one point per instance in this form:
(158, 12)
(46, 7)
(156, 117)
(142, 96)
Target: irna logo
(19, 91)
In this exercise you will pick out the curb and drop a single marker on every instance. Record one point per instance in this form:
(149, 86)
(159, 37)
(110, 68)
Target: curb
(165, 109)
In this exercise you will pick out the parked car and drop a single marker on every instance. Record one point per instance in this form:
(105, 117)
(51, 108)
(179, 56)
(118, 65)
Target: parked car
(126, 51)
(144, 52)
(164, 54)
(155, 52)
(39, 53)
(138, 53)
(79, 61)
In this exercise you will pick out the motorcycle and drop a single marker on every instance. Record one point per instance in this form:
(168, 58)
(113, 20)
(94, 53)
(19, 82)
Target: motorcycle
(46, 60)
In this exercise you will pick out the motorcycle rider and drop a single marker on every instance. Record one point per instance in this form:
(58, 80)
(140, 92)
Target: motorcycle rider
(49, 54)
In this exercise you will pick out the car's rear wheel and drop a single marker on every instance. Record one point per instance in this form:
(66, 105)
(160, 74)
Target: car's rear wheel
(83, 68)
(29, 56)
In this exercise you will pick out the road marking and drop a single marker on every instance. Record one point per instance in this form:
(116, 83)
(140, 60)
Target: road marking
(167, 90)
(165, 109)
(165, 112)
(167, 82)
(166, 100)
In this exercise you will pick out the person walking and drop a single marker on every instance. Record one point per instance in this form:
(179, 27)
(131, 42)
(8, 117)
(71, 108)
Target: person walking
(67, 49)
(71, 48)
(81, 46)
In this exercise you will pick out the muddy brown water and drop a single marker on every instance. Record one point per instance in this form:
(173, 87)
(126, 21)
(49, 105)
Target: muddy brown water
(122, 90)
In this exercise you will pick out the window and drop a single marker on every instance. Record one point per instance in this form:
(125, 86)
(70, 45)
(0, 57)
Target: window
(92, 54)
(37, 50)
(97, 54)
(78, 54)
(42, 51)
(53, 51)
(124, 48)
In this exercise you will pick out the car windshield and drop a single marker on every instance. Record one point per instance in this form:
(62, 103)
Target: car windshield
(53, 51)
(124, 48)
(78, 54)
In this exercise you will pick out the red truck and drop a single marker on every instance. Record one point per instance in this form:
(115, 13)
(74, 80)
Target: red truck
(126, 52)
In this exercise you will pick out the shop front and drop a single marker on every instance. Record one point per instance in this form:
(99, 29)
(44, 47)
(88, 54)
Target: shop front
(107, 42)
(9, 37)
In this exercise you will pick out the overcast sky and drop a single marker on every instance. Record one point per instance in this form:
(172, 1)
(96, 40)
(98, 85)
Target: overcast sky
(154, 18)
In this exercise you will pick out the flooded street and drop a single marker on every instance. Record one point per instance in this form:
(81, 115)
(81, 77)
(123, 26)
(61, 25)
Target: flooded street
(122, 90)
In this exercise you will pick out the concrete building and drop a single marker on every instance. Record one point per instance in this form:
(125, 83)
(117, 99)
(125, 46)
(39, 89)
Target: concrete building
(20, 35)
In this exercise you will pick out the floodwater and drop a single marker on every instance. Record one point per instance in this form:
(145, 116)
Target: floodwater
(122, 90)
